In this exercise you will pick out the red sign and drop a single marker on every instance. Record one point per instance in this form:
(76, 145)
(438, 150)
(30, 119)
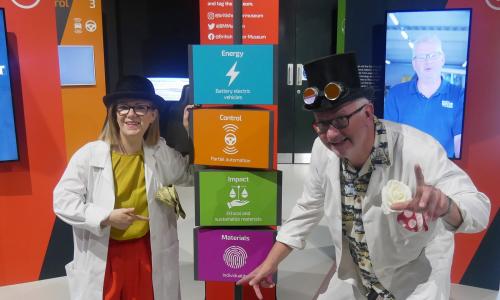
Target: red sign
(260, 21)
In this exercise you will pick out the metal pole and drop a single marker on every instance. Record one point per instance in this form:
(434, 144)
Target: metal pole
(237, 22)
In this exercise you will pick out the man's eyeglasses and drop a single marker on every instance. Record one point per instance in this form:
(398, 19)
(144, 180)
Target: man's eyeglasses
(429, 56)
(338, 123)
(139, 109)
(332, 91)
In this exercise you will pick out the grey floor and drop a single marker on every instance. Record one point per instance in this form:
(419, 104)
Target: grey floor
(300, 274)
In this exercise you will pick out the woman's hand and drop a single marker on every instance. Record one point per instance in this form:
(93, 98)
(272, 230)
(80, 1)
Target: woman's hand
(122, 218)
(185, 118)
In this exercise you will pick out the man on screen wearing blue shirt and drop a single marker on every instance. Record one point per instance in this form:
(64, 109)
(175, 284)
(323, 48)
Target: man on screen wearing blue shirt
(427, 101)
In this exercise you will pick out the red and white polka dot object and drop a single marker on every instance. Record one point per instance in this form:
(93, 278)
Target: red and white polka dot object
(412, 221)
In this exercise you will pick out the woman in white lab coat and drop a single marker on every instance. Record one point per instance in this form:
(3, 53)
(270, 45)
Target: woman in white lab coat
(125, 240)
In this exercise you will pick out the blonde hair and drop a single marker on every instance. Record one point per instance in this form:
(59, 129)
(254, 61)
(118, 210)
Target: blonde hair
(110, 132)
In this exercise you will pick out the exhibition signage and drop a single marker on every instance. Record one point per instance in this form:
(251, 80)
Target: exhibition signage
(238, 198)
(234, 127)
(233, 74)
(233, 137)
(260, 21)
(228, 255)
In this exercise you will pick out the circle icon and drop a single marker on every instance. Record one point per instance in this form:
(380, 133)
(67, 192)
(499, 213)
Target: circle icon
(230, 139)
(91, 25)
(26, 6)
(492, 5)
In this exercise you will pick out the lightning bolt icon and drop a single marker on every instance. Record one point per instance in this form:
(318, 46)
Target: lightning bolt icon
(232, 73)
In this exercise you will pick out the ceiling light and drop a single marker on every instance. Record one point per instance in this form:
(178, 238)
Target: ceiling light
(394, 19)
(404, 34)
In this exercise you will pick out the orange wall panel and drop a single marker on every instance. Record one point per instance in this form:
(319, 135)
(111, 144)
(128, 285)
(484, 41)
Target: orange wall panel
(84, 111)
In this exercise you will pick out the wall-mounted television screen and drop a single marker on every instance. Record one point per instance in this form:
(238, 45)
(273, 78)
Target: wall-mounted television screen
(426, 72)
(8, 139)
(169, 88)
(76, 65)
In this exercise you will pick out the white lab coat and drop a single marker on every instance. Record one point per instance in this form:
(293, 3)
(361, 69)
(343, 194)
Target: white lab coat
(410, 265)
(85, 196)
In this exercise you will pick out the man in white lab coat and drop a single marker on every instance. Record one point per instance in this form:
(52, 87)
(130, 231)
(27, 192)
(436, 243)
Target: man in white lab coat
(391, 197)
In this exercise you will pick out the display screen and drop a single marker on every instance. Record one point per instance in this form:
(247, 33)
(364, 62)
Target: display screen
(426, 72)
(8, 139)
(169, 88)
(76, 65)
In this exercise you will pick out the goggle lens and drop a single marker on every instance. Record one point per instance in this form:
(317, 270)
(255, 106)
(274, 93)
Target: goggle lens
(332, 92)
(310, 95)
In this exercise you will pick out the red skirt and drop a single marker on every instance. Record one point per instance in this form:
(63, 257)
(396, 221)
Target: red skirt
(128, 270)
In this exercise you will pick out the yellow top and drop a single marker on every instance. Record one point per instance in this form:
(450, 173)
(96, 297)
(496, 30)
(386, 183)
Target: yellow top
(130, 191)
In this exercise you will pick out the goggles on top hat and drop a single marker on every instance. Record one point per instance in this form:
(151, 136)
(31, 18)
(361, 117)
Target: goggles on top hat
(332, 91)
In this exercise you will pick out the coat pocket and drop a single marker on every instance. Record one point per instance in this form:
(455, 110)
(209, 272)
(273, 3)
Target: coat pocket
(407, 239)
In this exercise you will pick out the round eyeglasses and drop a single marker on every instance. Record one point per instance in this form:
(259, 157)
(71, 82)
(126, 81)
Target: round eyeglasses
(139, 109)
(332, 91)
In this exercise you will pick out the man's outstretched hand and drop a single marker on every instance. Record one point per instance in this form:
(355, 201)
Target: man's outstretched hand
(428, 200)
(259, 277)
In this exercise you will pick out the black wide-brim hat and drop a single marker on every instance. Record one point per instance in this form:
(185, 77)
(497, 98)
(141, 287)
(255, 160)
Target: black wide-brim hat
(134, 87)
(338, 68)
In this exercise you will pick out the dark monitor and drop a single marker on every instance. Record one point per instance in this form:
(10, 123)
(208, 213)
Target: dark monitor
(8, 138)
(426, 72)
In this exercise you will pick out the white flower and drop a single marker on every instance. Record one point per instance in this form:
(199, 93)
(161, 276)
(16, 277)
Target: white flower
(393, 192)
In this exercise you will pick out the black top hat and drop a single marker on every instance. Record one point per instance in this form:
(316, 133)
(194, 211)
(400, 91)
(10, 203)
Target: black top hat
(341, 69)
(134, 87)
